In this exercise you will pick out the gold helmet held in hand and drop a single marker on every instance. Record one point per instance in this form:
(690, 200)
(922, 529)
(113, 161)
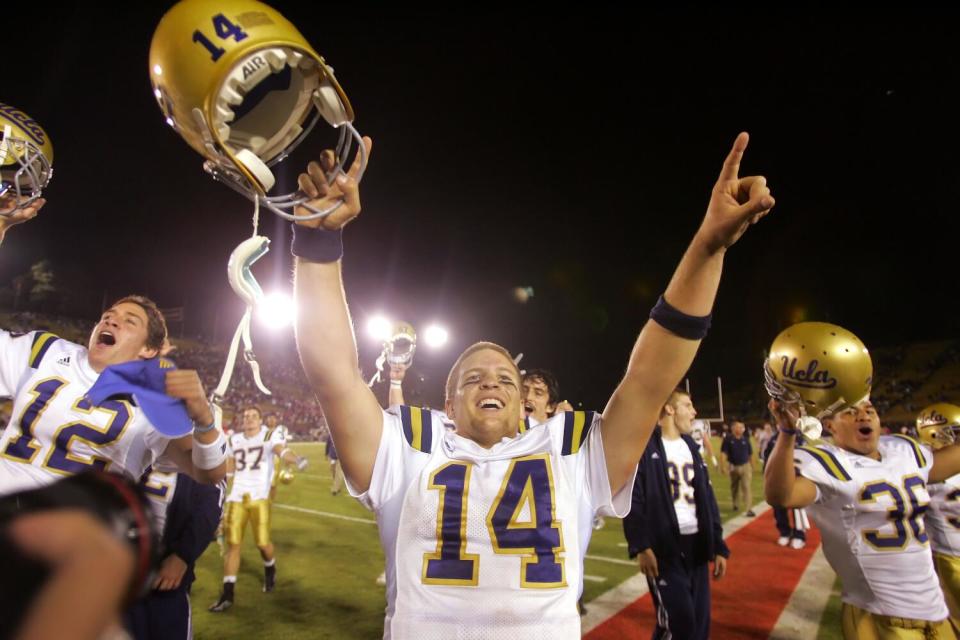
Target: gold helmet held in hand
(821, 367)
(939, 424)
(243, 87)
(26, 159)
(401, 345)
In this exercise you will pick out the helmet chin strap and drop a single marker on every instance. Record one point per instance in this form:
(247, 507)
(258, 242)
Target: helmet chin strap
(245, 285)
(381, 359)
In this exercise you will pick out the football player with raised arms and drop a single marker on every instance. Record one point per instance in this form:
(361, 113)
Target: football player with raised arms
(481, 526)
(55, 429)
(867, 493)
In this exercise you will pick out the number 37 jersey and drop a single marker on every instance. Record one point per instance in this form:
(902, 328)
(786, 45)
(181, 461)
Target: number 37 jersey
(253, 463)
(53, 429)
(870, 515)
(487, 543)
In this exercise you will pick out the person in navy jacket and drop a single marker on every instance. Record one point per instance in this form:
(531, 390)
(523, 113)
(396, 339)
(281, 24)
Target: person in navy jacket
(188, 514)
(674, 528)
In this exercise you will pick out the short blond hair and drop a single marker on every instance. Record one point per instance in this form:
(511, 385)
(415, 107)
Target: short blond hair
(672, 399)
(476, 346)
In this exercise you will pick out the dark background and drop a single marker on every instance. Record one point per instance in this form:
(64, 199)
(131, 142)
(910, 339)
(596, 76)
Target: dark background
(571, 152)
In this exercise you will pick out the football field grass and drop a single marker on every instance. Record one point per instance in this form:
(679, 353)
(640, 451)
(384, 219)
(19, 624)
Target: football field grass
(328, 558)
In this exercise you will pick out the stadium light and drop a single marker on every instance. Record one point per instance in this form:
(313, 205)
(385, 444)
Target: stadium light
(435, 336)
(276, 311)
(379, 327)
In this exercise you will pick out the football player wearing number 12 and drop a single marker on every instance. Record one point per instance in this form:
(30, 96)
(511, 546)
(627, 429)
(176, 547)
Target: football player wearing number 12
(481, 525)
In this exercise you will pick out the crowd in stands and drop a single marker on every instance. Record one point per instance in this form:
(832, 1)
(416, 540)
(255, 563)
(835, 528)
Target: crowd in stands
(908, 378)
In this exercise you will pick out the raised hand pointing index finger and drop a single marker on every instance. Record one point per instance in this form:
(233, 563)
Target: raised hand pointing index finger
(731, 166)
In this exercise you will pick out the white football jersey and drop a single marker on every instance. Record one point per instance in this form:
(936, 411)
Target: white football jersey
(870, 516)
(487, 543)
(943, 518)
(680, 472)
(253, 463)
(159, 487)
(53, 430)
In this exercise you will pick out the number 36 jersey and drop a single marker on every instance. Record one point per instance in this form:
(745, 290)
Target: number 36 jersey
(870, 515)
(487, 543)
(53, 429)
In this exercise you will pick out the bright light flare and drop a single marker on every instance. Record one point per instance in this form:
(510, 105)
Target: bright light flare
(276, 311)
(379, 328)
(435, 336)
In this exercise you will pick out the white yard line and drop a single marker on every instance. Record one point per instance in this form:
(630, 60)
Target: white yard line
(324, 514)
(626, 563)
(800, 619)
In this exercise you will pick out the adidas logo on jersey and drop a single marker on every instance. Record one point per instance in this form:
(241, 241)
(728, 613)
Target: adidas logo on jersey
(65, 360)
(655, 456)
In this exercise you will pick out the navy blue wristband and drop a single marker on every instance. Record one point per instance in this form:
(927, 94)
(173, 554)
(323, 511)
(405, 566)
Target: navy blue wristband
(316, 245)
(679, 323)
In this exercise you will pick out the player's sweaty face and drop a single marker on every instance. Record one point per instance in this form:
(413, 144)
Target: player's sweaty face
(486, 404)
(120, 336)
(857, 429)
(536, 399)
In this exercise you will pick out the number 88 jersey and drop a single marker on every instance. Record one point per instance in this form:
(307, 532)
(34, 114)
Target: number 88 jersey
(870, 515)
(487, 543)
(54, 431)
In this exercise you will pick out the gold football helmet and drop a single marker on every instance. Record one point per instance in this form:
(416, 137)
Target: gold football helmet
(286, 475)
(939, 424)
(401, 345)
(243, 87)
(821, 367)
(26, 158)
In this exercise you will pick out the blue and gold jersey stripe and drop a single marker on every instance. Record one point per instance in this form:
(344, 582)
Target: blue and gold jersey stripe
(576, 426)
(524, 424)
(417, 427)
(829, 462)
(41, 344)
(917, 451)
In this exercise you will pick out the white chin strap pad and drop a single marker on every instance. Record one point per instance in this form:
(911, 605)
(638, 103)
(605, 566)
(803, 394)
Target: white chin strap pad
(810, 427)
(257, 167)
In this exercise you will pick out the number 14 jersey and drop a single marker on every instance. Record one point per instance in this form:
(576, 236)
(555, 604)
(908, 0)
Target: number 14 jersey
(487, 543)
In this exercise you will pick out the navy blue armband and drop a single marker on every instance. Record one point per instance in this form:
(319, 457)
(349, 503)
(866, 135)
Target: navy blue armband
(679, 323)
(317, 245)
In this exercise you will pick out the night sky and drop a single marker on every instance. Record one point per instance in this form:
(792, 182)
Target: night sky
(569, 152)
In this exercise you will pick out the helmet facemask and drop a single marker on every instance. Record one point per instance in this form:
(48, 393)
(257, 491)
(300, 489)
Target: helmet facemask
(266, 106)
(24, 171)
(809, 416)
(400, 349)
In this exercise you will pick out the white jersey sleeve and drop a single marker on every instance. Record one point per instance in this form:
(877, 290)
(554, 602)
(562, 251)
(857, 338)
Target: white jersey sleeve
(395, 452)
(19, 353)
(820, 466)
(580, 441)
(943, 518)
(278, 438)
